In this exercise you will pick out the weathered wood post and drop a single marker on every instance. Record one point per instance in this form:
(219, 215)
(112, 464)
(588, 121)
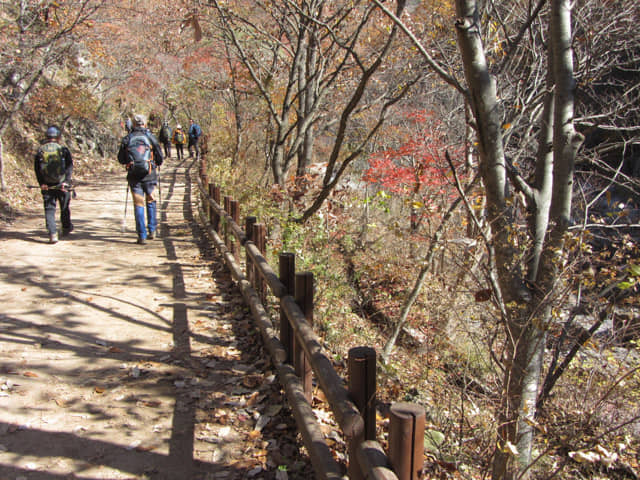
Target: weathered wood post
(304, 299)
(226, 200)
(234, 211)
(216, 217)
(260, 239)
(361, 369)
(210, 210)
(406, 440)
(249, 222)
(205, 181)
(362, 386)
(287, 272)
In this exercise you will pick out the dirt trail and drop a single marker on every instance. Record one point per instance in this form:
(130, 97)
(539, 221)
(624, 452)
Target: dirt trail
(125, 361)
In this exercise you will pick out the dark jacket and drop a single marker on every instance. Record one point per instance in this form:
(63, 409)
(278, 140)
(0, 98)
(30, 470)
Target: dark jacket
(68, 166)
(158, 158)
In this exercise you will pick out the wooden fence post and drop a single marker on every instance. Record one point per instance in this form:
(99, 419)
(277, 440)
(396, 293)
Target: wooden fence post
(406, 440)
(205, 181)
(249, 222)
(210, 210)
(260, 240)
(304, 299)
(361, 369)
(216, 217)
(226, 201)
(287, 272)
(362, 386)
(234, 211)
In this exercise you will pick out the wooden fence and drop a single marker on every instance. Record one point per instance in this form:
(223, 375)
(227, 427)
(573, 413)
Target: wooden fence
(298, 357)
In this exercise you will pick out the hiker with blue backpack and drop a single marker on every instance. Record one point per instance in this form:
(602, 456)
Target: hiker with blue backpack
(141, 153)
(195, 132)
(54, 168)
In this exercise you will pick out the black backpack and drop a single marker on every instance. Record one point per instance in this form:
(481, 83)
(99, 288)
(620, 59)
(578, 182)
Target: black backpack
(140, 153)
(165, 133)
(52, 165)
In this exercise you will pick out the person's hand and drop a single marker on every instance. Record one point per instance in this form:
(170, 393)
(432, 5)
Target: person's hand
(44, 186)
(129, 165)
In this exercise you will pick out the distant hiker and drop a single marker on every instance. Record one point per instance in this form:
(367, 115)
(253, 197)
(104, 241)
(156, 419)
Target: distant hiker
(165, 138)
(195, 132)
(54, 167)
(179, 139)
(141, 153)
(128, 125)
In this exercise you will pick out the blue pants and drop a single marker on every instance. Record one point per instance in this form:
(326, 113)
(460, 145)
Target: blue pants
(142, 193)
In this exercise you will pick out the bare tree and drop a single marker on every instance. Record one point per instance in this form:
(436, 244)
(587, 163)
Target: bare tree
(312, 63)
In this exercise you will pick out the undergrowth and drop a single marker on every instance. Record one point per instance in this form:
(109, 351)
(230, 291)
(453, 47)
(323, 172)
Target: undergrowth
(446, 358)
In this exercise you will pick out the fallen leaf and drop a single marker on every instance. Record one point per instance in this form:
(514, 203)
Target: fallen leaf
(29, 374)
(115, 350)
(145, 448)
(61, 403)
(99, 390)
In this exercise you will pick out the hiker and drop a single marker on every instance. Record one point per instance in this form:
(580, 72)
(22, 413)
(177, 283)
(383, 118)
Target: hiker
(54, 167)
(179, 139)
(141, 153)
(165, 138)
(128, 125)
(194, 135)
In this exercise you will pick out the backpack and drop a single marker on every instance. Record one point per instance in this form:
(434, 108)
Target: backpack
(52, 165)
(197, 131)
(165, 133)
(140, 154)
(179, 136)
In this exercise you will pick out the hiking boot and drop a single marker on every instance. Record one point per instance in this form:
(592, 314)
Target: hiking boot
(67, 231)
(151, 235)
(53, 238)
(141, 241)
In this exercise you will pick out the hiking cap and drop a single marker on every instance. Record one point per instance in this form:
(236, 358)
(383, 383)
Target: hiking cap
(178, 126)
(139, 120)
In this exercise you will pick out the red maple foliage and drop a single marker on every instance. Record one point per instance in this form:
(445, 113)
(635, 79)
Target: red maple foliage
(417, 166)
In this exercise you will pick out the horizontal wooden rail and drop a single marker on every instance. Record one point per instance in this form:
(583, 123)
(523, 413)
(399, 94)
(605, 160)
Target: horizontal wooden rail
(368, 460)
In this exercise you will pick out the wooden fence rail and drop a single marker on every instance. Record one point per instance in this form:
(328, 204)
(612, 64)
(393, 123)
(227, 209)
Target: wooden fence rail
(297, 355)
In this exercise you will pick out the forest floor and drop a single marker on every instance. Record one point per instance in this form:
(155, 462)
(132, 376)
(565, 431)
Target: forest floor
(120, 360)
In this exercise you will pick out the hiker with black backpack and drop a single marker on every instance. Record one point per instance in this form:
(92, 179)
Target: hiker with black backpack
(195, 132)
(179, 139)
(141, 153)
(165, 138)
(54, 168)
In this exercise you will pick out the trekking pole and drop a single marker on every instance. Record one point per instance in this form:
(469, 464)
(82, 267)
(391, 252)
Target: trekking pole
(159, 187)
(123, 227)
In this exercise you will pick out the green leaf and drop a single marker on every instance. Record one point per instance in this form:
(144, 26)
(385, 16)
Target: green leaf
(634, 270)
(626, 284)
